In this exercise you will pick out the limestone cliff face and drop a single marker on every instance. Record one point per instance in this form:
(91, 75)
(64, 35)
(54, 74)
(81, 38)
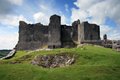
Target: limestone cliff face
(55, 35)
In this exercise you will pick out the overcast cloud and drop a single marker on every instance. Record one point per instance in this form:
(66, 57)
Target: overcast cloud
(5, 7)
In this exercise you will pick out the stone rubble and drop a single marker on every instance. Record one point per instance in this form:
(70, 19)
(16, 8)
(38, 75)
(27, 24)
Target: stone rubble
(54, 60)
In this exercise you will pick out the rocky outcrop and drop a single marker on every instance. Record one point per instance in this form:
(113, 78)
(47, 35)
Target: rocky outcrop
(54, 60)
(116, 45)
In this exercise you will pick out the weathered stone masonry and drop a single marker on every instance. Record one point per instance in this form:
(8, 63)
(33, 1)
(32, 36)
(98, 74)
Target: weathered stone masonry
(55, 35)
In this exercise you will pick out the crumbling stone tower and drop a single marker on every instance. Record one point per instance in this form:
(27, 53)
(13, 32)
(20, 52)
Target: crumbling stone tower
(32, 36)
(54, 32)
(77, 29)
(89, 31)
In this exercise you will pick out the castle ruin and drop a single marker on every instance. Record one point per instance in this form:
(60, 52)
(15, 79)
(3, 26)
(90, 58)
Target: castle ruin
(55, 35)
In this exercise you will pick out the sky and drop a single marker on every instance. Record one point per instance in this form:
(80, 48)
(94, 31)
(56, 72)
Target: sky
(105, 13)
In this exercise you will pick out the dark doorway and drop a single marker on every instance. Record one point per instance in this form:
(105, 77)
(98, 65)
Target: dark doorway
(53, 46)
(91, 37)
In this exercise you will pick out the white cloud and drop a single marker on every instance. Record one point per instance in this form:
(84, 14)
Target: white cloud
(43, 7)
(41, 17)
(12, 20)
(16, 2)
(8, 41)
(113, 33)
(66, 7)
(105, 30)
(45, 12)
(63, 19)
(98, 10)
(44, 18)
(79, 14)
(8, 38)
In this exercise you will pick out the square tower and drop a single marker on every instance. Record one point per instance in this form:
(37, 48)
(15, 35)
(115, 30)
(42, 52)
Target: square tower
(54, 32)
(89, 31)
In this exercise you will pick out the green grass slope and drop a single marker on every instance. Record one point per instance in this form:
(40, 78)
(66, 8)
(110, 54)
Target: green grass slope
(92, 63)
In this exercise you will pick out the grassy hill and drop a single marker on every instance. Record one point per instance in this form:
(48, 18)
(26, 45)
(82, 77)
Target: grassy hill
(92, 63)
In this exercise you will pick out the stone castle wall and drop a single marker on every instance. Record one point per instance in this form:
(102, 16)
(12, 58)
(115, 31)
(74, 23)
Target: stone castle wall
(55, 35)
(32, 36)
(67, 37)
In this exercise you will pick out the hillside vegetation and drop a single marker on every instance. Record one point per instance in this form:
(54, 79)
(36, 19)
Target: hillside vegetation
(92, 63)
